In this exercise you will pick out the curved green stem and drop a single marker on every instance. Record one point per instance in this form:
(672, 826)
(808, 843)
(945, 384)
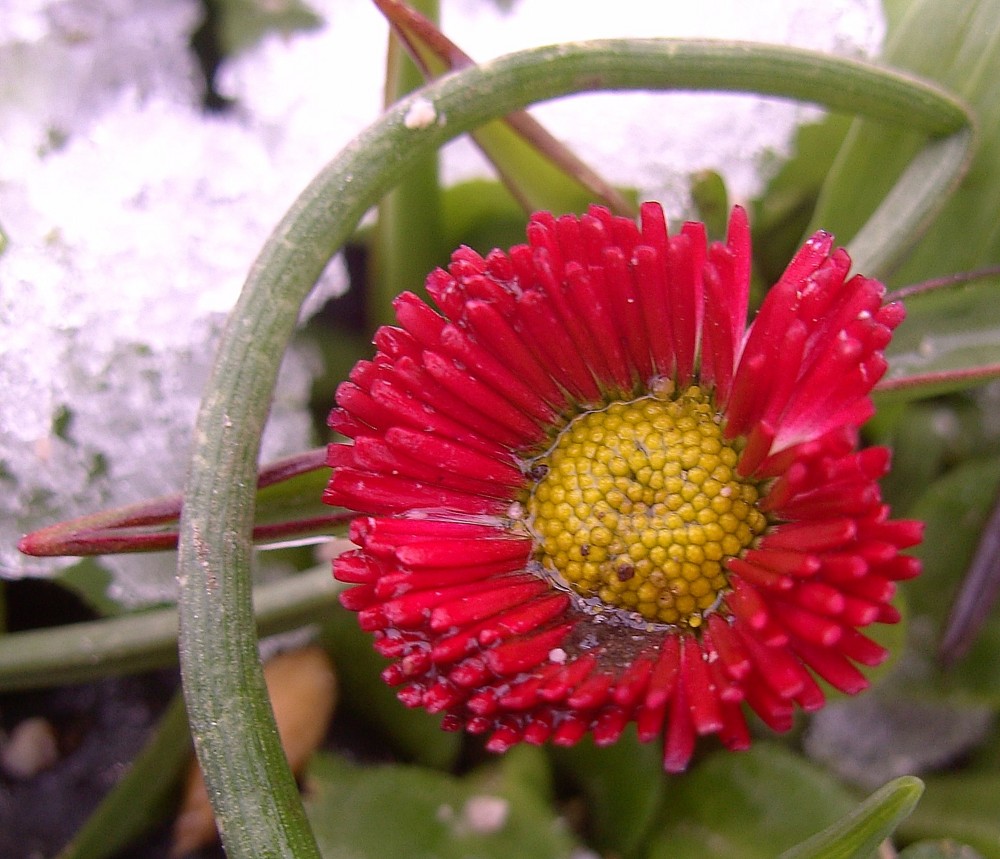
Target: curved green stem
(253, 793)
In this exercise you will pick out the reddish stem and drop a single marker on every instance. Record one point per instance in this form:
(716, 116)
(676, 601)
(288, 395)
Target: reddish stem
(417, 32)
(948, 280)
(127, 529)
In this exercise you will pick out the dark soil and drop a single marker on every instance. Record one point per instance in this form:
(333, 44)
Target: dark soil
(100, 727)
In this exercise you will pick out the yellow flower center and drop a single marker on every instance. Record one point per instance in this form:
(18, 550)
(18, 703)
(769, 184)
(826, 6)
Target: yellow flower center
(637, 506)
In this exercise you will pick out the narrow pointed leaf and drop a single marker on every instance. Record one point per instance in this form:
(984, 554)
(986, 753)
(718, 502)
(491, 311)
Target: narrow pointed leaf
(957, 45)
(858, 834)
(408, 238)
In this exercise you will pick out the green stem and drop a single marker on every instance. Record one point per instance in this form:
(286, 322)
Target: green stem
(408, 237)
(252, 791)
(80, 652)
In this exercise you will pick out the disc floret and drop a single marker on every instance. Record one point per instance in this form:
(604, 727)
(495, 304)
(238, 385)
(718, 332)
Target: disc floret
(639, 504)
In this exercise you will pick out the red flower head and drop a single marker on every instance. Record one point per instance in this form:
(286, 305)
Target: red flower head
(593, 495)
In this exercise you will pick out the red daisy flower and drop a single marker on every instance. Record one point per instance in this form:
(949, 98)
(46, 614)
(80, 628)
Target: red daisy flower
(593, 495)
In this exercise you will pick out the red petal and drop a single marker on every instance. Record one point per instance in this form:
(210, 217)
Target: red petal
(699, 688)
(457, 553)
(832, 667)
(475, 607)
(811, 536)
(460, 345)
(862, 649)
(592, 693)
(559, 686)
(728, 646)
(570, 730)
(778, 670)
(522, 654)
(497, 335)
(540, 728)
(734, 733)
(664, 676)
(634, 682)
(610, 725)
(679, 745)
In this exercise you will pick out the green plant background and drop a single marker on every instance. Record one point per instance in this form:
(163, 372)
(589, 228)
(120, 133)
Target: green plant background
(781, 798)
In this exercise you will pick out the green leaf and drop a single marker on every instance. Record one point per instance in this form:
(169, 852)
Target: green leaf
(533, 179)
(483, 215)
(965, 807)
(375, 812)
(926, 438)
(537, 169)
(955, 508)
(858, 834)
(711, 202)
(782, 214)
(142, 641)
(623, 785)
(407, 239)
(91, 582)
(296, 498)
(243, 23)
(957, 45)
(750, 805)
